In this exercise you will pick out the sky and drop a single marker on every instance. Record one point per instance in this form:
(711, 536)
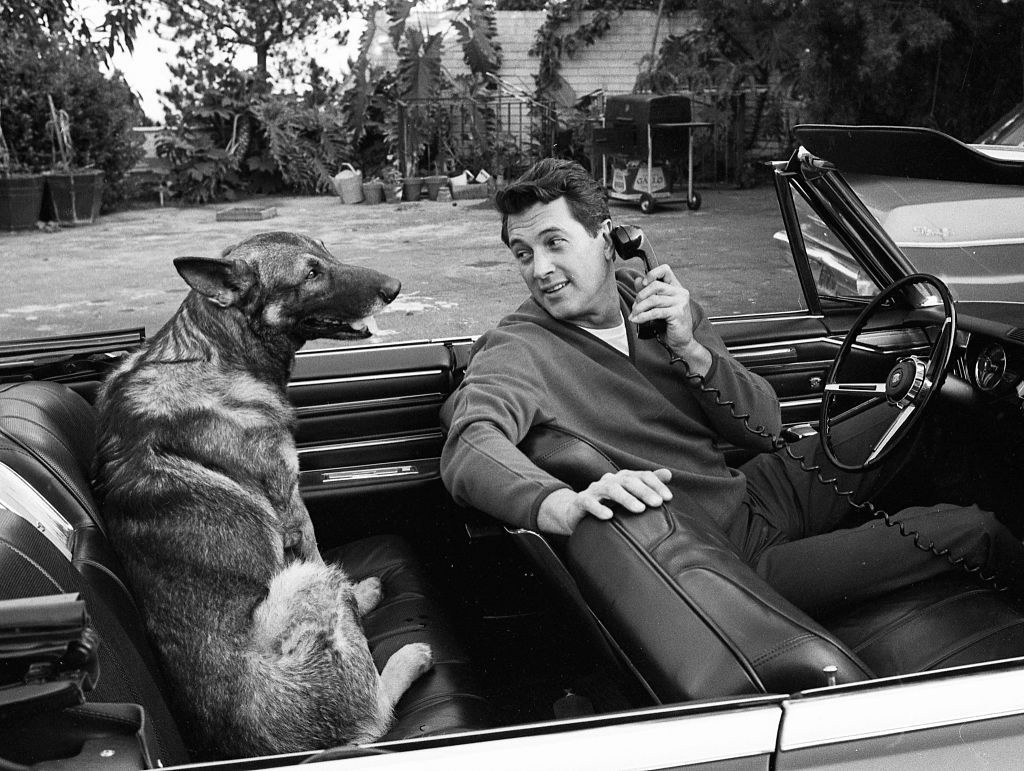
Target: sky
(146, 68)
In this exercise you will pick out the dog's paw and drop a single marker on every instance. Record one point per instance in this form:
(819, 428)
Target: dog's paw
(402, 669)
(416, 657)
(368, 593)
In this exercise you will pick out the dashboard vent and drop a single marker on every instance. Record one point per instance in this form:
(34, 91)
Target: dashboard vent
(1017, 333)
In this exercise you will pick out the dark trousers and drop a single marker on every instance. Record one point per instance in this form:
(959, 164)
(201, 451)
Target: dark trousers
(791, 540)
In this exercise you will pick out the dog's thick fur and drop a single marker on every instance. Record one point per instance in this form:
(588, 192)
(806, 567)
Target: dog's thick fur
(197, 475)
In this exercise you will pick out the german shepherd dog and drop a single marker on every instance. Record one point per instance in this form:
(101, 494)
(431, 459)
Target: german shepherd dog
(197, 474)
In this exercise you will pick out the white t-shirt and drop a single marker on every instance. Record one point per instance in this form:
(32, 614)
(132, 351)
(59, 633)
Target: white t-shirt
(615, 336)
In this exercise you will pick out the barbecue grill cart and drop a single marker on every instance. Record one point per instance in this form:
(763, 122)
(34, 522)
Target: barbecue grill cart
(641, 143)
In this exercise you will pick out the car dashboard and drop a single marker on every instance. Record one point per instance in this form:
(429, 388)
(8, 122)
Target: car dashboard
(991, 362)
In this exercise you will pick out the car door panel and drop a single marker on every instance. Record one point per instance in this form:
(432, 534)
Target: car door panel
(367, 418)
(792, 352)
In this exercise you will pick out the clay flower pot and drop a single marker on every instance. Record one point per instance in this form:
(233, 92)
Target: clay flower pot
(412, 187)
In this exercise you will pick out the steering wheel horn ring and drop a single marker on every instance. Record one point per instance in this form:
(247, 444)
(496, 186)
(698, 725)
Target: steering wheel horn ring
(907, 382)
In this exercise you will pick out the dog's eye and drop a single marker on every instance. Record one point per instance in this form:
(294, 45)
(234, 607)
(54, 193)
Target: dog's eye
(313, 273)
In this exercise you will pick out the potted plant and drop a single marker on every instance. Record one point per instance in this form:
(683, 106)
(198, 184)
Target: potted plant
(73, 195)
(21, 194)
(373, 190)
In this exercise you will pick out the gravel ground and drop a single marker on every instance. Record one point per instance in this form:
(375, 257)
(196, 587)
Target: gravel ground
(458, 278)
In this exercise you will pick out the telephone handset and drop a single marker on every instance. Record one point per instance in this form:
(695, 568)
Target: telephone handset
(629, 241)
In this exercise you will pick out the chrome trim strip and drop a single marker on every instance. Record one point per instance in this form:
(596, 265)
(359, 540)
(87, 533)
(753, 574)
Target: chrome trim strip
(750, 353)
(368, 474)
(404, 345)
(663, 743)
(829, 340)
(1013, 279)
(364, 378)
(25, 502)
(801, 402)
(362, 404)
(364, 444)
(746, 319)
(845, 717)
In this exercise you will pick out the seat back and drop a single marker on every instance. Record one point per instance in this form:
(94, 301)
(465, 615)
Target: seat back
(52, 541)
(696, 621)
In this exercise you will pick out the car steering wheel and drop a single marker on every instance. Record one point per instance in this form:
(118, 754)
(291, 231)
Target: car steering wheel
(887, 410)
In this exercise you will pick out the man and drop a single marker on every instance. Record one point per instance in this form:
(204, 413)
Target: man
(570, 356)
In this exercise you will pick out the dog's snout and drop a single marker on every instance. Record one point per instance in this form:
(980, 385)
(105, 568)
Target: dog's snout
(389, 289)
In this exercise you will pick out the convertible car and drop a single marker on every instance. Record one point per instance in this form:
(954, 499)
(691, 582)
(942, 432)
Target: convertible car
(641, 642)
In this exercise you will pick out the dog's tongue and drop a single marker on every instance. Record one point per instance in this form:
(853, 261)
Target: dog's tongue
(369, 324)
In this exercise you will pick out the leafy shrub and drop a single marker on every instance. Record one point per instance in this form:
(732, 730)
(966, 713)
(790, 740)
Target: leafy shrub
(101, 108)
(230, 137)
(210, 134)
(308, 142)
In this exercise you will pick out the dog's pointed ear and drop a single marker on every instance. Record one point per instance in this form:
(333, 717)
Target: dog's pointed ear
(222, 281)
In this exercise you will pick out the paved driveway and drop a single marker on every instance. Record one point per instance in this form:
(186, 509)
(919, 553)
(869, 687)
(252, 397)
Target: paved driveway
(458, 278)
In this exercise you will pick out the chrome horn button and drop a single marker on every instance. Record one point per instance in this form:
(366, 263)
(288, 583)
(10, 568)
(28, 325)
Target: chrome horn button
(905, 381)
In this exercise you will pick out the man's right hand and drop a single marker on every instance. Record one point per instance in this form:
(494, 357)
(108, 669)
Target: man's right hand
(561, 511)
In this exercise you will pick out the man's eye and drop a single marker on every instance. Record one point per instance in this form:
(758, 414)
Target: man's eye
(523, 256)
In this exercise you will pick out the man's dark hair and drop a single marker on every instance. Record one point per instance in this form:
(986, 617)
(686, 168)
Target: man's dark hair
(547, 180)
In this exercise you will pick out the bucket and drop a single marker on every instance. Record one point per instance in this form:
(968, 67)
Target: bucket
(349, 184)
(21, 201)
(434, 185)
(373, 192)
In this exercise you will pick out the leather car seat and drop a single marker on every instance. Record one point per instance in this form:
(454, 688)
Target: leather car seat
(698, 622)
(47, 440)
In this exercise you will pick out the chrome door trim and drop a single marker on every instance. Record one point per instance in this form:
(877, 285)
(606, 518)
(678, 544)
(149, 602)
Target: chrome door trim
(330, 381)
(359, 405)
(650, 744)
(367, 443)
(900, 707)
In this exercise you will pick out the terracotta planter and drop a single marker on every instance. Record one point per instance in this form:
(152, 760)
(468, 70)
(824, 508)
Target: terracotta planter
(21, 201)
(373, 192)
(434, 185)
(412, 187)
(73, 198)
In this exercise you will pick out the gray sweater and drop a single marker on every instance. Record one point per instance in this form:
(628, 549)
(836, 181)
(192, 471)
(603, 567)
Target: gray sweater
(639, 410)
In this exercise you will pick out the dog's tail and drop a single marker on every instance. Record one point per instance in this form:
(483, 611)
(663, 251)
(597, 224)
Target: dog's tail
(309, 680)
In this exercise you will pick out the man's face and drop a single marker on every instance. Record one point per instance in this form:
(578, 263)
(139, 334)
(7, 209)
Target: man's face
(567, 270)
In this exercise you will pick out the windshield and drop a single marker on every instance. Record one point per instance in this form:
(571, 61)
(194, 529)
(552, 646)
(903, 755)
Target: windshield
(969, 235)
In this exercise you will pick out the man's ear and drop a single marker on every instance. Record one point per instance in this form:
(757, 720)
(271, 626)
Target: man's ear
(609, 246)
(223, 282)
